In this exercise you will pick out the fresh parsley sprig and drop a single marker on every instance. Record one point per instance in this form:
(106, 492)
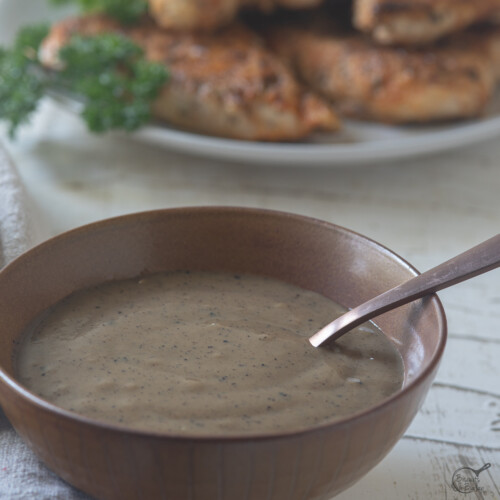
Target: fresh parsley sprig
(115, 81)
(108, 72)
(126, 11)
(20, 88)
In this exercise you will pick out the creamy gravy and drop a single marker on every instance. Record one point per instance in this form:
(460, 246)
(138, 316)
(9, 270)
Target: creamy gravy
(204, 353)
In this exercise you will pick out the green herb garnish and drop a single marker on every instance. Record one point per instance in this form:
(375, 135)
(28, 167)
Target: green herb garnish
(20, 88)
(116, 83)
(108, 72)
(126, 11)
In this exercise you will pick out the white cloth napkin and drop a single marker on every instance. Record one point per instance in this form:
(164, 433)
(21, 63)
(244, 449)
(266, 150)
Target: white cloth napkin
(18, 232)
(22, 475)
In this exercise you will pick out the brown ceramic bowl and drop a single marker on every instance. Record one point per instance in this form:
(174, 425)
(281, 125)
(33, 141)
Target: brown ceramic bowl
(116, 462)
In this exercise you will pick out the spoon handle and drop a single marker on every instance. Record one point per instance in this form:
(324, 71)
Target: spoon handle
(477, 260)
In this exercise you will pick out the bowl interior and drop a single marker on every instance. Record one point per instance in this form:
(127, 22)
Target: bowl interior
(342, 265)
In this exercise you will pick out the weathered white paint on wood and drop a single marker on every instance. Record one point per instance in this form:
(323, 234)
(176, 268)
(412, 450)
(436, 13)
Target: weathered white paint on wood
(471, 363)
(420, 470)
(459, 415)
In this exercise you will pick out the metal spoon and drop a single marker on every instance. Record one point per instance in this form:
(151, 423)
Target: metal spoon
(479, 259)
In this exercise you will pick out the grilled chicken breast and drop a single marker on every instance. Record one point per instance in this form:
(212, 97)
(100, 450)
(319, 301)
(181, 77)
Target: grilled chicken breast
(193, 14)
(419, 21)
(226, 84)
(211, 14)
(450, 80)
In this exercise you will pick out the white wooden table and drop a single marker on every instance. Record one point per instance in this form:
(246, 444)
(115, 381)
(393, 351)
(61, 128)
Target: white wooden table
(426, 210)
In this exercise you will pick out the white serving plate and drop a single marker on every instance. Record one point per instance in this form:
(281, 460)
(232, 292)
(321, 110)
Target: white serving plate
(359, 143)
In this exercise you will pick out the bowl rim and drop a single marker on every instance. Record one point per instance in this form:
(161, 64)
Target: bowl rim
(31, 398)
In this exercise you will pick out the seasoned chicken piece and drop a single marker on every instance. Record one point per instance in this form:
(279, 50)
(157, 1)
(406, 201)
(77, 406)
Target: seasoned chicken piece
(225, 84)
(454, 79)
(419, 21)
(210, 14)
(193, 14)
